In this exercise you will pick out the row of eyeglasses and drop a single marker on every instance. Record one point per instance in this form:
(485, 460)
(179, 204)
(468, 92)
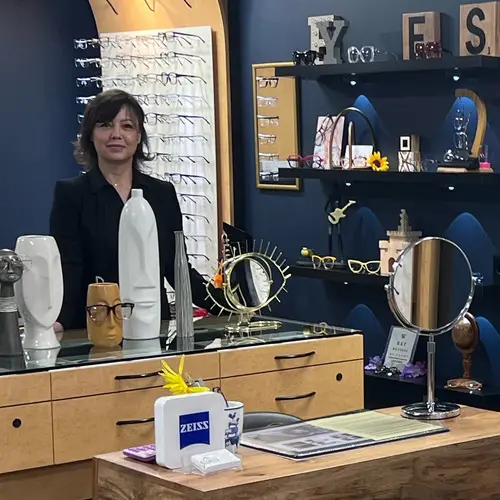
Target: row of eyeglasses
(161, 39)
(141, 79)
(155, 99)
(126, 61)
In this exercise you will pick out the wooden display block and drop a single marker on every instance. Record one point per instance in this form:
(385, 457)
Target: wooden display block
(479, 25)
(420, 27)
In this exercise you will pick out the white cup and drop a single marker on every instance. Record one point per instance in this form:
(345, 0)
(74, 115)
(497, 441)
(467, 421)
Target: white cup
(234, 413)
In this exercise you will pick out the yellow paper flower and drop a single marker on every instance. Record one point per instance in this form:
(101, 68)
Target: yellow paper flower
(175, 382)
(378, 163)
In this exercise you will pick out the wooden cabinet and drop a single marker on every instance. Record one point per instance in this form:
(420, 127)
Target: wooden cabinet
(25, 437)
(125, 376)
(309, 392)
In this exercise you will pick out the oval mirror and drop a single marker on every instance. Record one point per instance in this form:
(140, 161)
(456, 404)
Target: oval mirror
(430, 290)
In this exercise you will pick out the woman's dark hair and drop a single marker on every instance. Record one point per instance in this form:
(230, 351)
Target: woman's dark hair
(103, 109)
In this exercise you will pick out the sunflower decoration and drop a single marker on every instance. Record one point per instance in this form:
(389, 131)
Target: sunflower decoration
(174, 381)
(378, 163)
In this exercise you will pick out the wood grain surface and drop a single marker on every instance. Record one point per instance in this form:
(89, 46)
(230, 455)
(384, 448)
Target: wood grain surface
(457, 465)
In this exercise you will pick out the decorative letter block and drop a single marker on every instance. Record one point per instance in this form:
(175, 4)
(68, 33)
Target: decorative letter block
(327, 33)
(420, 27)
(479, 25)
(409, 143)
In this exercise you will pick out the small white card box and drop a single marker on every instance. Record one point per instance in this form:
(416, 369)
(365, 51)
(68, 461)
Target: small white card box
(188, 425)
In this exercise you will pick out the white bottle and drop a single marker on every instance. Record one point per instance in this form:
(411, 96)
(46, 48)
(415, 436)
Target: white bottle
(139, 268)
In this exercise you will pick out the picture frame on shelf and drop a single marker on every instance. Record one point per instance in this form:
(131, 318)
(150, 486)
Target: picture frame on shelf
(276, 125)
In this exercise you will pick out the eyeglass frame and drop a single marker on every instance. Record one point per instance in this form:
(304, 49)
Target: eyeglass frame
(364, 266)
(109, 309)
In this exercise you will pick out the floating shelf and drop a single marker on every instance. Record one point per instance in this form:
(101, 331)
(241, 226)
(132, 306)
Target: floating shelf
(338, 276)
(392, 177)
(469, 64)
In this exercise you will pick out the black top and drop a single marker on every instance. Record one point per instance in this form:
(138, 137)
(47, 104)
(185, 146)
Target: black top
(84, 221)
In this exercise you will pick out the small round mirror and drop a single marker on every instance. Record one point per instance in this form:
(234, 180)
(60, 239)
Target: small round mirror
(430, 290)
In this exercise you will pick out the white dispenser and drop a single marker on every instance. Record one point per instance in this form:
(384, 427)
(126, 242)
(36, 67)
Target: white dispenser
(188, 425)
(139, 268)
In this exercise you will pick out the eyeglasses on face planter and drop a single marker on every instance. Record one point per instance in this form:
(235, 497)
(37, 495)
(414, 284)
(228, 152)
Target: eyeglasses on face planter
(98, 313)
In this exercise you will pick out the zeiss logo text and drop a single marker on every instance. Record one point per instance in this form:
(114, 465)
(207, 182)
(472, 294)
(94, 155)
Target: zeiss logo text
(194, 428)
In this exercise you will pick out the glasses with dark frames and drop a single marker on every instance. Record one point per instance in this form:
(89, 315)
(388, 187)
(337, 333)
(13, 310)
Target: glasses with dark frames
(177, 178)
(154, 118)
(192, 217)
(98, 313)
(168, 56)
(172, 158)
(192, 197)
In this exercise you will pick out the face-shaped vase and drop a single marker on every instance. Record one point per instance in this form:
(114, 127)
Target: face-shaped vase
(104, 321)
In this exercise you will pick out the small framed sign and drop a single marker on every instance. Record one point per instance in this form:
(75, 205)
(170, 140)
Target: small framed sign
(400, 347)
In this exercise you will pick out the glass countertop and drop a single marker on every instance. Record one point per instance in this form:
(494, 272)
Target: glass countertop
(210, 334)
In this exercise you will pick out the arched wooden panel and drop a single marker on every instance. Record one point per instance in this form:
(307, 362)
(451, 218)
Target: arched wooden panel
(134, 15)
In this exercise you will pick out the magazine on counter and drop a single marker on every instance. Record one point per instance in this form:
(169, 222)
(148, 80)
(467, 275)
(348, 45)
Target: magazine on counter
(338, 433)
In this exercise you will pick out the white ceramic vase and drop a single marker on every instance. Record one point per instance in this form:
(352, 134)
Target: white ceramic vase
(139, 268)
(39, 293)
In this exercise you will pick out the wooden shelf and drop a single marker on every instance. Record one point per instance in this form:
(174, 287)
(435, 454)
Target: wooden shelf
(465, 65)
(392, 177)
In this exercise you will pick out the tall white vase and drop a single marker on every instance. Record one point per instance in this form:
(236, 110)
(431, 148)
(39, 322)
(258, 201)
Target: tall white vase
(139, 268)
(39, 293)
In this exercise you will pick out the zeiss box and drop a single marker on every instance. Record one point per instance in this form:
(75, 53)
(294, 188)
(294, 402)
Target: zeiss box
(188, 425)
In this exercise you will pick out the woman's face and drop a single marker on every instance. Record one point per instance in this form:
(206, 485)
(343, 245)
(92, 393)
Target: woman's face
(117, 141)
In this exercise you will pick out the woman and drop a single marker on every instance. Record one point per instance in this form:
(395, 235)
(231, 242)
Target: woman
(86, 210)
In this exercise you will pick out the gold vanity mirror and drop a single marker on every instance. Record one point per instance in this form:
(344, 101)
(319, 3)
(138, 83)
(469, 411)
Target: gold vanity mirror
(430, 290)
(251, 281)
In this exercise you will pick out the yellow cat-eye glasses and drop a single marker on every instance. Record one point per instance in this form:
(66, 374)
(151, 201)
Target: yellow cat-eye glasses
(370, 267)
(326, 262)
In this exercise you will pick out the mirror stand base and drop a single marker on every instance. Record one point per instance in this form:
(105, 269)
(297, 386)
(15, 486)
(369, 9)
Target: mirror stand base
(430, 411)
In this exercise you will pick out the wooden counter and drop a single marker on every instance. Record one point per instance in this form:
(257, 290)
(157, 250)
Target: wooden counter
(54, 422)
(460, 464)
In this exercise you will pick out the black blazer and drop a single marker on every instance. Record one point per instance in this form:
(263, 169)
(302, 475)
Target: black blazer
(84, 221)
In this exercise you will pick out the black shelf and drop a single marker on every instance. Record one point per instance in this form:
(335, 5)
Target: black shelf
(393, 177)
(469, 64)
(338, 276)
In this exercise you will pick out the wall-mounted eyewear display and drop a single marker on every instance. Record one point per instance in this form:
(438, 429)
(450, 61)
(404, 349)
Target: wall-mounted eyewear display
(310, 161)
(264, 81)
(358, 267)
(269, 156)
(308, 57)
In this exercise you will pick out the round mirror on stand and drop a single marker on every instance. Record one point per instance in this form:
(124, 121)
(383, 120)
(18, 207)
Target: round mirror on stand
(430, 290)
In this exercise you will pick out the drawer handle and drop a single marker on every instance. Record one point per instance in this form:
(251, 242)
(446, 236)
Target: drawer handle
(136, 421)
(140, 375)
(291, 398)
(295, 356)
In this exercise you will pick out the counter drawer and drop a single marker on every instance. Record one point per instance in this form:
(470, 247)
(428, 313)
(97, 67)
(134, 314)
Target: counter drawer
(25, 437)
(85, 427)
(24, 389)
(268, 358)
(310, 392)
(125, 376)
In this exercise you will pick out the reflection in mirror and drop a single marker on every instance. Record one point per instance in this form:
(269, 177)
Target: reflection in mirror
(432, 284)
(430, 290)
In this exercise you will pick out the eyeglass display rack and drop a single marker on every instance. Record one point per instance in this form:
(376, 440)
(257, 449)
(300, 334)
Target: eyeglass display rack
(466, 65)
(171, 74)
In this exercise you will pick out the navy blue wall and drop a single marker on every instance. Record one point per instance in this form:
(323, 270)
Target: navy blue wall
(38, 109)
(269, 31)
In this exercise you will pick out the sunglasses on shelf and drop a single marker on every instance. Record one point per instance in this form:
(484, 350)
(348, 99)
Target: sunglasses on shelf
(358, 267)
(308, 57)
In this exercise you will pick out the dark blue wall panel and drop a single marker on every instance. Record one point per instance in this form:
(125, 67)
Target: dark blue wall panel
(269, 31)
(38, 109)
